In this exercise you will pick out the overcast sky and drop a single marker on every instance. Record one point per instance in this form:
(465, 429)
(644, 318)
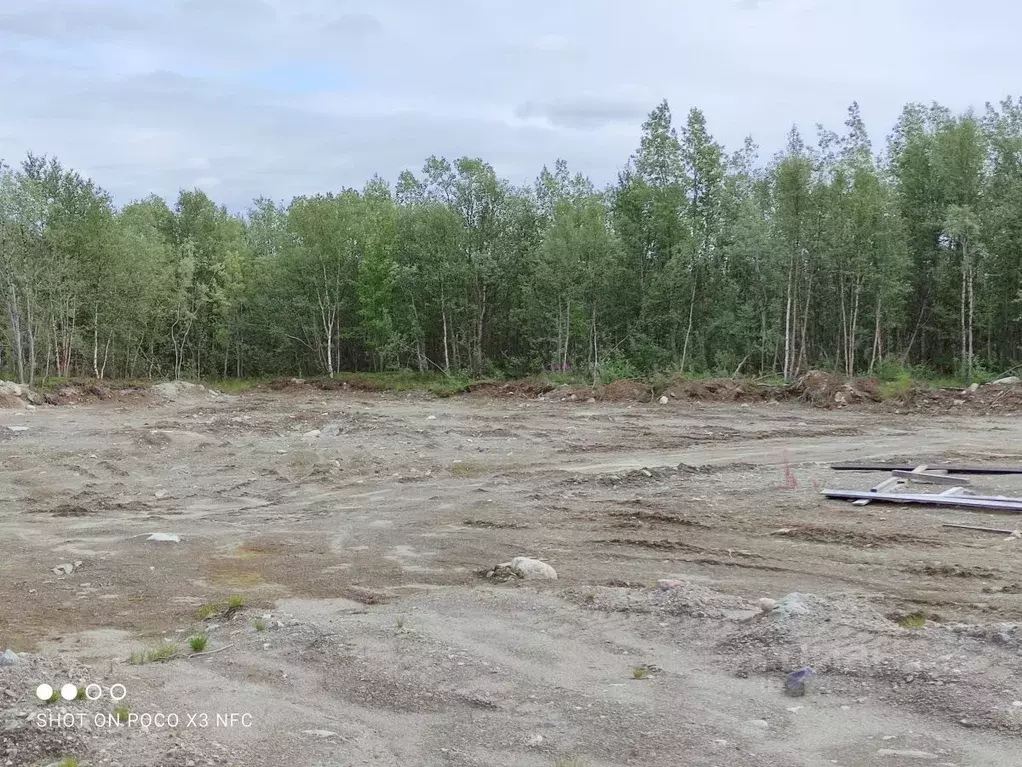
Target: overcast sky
(284, 97)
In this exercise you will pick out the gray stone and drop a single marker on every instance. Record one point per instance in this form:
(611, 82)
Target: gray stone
(331, 430)
(64, 569)
(789, 606)
(164, 538)
(530, 569)
(663, 400)
(1008, 381)
(9, 658)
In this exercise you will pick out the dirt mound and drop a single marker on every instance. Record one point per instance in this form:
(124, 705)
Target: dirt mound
(625, 390)
(524, 388)
(17, 396)
(720, 390)
(822, 389)
(174, 391)
(989, 399)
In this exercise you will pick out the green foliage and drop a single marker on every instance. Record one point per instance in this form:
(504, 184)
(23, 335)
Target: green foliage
(697, 260)
(161, 653)
(198, 642)
(121, 712)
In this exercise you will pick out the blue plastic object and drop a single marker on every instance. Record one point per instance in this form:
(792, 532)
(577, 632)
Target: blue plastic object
(795, 684)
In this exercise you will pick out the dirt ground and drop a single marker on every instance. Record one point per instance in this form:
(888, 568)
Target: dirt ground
(354, 531)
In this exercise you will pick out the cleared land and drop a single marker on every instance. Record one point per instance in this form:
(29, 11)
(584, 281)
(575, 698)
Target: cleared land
(363, 631)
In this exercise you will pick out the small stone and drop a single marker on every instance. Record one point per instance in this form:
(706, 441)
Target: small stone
(912, 667)
(530, 569)
(766, 604)
(1008, 381)
(9, 658)
(759, 724)
(666, 584)
(319, 733)
(663, 400)
(312, 434)
(65, 569)
(164, 538)
(789, 606)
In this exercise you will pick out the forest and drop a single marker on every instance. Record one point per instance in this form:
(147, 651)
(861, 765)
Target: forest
(833, 254)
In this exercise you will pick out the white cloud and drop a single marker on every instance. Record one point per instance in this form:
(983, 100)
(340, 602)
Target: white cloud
(283, 97)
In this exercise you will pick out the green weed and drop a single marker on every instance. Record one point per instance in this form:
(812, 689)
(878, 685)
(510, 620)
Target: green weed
(198, 642)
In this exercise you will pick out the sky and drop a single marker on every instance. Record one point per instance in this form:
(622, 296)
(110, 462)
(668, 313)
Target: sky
(278, 98)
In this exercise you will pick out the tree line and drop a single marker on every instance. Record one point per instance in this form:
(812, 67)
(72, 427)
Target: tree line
(833, 254)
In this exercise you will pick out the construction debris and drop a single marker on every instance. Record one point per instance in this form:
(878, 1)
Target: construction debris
(988, 503)
(929, 477)
(952, 468)
(999, 531)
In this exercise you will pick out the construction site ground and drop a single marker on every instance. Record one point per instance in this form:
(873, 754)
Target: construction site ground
(340, 540)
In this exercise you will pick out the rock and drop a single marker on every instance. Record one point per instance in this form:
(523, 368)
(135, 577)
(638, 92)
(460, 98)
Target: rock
(17, 429)
(912, 667)
(331, 430)
(759, 724)
(906, 754)
(663, 400)
(1008, 381)
(530, 569)
(34, 397)
(65, 569)
(666, 584)
(9, 387)
(177, 390)
(312, 434)
(164, 538)
(591, 399)
(972, 389)
(319, 733)
(789, 606)
(9, 658)
(766, 604)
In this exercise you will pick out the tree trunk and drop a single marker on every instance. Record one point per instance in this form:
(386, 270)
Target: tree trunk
(788, 319)
(688, 329)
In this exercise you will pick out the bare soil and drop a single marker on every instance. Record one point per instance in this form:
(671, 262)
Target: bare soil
(354, 529)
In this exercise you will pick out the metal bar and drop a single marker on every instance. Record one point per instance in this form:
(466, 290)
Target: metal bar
(930, 479)
(961, 501)
(983, 529)
(887, 484)
(954, 468)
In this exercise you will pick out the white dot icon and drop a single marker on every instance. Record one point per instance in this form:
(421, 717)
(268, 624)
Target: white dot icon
(69, 692)
(44, 692)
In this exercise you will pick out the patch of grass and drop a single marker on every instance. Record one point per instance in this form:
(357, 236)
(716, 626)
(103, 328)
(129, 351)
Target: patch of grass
(198, 642)
(235, 602)
(469, 469)
(913, 621)
(159, 654)
(400, 622)
(81, 694)
(68, 761)
(259, 624)
(208, 610)
(640, 672)
(53, 698)
(121, 712)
